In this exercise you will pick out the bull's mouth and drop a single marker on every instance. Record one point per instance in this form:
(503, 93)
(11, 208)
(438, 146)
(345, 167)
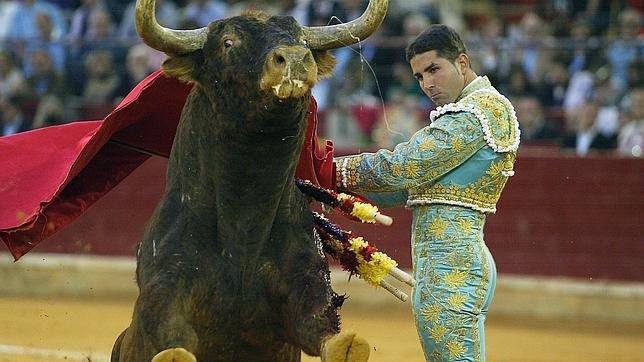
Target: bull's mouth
(290, 88)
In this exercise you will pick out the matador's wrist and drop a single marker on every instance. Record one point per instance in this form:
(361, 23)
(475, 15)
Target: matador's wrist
(345, 172)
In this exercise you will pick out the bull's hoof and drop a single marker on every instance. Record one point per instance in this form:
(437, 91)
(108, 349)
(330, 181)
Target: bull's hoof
(345, 347)
(174, 355)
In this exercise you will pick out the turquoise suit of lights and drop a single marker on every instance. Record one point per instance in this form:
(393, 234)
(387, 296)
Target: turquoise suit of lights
(451, 174)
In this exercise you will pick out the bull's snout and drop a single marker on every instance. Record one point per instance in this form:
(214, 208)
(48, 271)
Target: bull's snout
(289, 71)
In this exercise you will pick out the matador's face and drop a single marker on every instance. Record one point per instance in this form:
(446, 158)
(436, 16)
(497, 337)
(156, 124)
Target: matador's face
(440, 79)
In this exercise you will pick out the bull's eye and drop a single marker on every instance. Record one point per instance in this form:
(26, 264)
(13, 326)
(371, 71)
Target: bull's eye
(228, 43)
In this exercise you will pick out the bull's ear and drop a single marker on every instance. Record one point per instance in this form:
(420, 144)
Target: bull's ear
(183, 67)
(326, 62)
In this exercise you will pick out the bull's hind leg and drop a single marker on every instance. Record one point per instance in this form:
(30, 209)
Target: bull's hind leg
(345, 347)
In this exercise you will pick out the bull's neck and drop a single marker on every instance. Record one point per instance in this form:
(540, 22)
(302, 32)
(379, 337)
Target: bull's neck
(247, 161)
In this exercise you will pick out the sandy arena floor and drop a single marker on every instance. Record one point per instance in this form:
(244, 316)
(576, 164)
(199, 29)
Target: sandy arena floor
(50, 329)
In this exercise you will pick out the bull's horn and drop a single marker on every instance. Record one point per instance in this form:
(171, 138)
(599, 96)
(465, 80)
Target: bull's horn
(341, 35)
(169, 41)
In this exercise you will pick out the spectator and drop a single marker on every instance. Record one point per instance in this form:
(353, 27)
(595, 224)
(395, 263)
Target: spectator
(269, 7)
(138, 65)
(101, 27)
(399, 121)
(12, 81)
(600, 14)
(608, 99)
(298, 9)
(636, 73)
(202, 12)
(322, 12)
(578, 52)
(102, 83)
(7, 12)
(55, 49)
(552, 90)
(23, 24)
(50, 112)
(584, 137)
(582, 83)
(533, 123)
(45, 89)
(451, 14)
(44, 79)
(67, 6)
(405, 83)
(559, 14)
(101, 35)
(518, 83)
(630, 140)
(80, 19)
(533, 46)
(12, 118)
(487, 51)
(390, 76)
(626, 48)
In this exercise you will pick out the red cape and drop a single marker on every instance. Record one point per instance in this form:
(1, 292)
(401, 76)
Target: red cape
(51, 175)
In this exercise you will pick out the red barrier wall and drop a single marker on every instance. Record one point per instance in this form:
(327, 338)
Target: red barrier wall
(559, 215)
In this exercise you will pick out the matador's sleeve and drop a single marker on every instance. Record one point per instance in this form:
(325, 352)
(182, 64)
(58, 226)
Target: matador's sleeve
(432, 152)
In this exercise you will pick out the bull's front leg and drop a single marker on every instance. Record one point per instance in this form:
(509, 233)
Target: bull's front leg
(311, 309)
(160, 331)
(317, 324)
(174, 355)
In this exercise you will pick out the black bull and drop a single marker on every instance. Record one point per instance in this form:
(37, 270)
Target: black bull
(229, 268)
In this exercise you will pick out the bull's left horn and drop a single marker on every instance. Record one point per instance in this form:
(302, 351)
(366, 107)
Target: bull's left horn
(341, 35)
(169, 41)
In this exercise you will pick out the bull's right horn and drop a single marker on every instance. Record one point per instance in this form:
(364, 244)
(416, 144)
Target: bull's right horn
(342, 35)
(169, 41)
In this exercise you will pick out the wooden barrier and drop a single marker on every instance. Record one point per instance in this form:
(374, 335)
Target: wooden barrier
(558, 216)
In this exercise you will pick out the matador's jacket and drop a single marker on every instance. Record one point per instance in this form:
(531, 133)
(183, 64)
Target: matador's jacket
(451, 174)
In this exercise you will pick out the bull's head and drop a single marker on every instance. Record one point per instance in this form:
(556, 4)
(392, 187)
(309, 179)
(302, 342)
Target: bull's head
(255, 51)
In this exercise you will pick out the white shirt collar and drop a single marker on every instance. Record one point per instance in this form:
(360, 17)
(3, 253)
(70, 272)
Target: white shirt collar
(478, 78)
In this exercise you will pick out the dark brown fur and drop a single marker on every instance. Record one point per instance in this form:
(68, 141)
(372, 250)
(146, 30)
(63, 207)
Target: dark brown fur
(228, 267)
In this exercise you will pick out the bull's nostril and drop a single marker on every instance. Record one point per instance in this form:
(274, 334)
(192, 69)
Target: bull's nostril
(279, 59)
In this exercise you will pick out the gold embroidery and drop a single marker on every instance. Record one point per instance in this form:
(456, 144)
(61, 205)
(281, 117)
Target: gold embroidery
(457, 300)
(396, 169)
(438, 227)
(498, 110)
(426, 144)
(456, 278)
(496, 168)
(456, 349)
(431, 313)
(457, 144)
(412, 169)
(466, 225)
(480, 292)
(436, 356)
(483, 194)
(437, 332)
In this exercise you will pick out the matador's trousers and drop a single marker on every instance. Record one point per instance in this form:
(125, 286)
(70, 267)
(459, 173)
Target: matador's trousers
(456, 277)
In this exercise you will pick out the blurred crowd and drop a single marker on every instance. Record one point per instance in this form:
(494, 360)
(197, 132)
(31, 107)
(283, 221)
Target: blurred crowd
(572, 68)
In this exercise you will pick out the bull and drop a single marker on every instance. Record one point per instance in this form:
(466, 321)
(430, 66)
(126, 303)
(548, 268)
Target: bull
(229, 268)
